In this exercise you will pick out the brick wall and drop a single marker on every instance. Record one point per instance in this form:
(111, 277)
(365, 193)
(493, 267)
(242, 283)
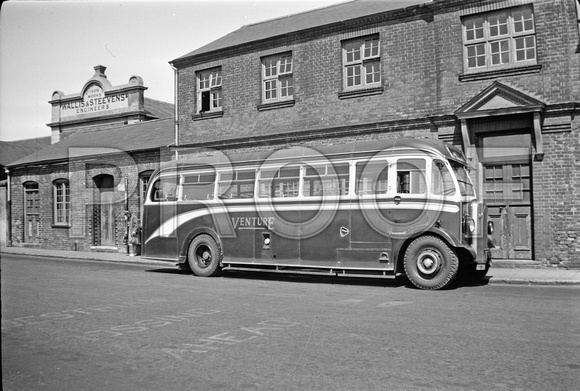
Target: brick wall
(424, 84)
(421, 60)
(556, 199)
(80, 235)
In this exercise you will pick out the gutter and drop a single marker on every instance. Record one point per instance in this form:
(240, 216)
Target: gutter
(176, 108)
(8, 208)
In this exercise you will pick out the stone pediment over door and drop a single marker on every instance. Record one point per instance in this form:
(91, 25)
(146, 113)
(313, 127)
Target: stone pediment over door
(500, 99)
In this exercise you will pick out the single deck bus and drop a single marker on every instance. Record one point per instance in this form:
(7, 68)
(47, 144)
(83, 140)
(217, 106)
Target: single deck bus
(389, 208)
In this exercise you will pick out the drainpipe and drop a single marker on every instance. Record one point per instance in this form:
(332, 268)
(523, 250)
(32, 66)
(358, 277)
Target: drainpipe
(8, 208)
(126, 183)
(176, 108)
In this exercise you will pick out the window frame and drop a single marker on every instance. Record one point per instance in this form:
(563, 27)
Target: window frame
(276, 182)
(61, 204)
(411, 179)
(359, 59)
(144, 180)
(209, 83)
(277, 73)
(235, 184)
(325, 179)
(492, 43)
(365, 185)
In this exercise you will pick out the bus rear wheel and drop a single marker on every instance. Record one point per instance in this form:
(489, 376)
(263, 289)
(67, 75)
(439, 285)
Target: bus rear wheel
(204, 256)
(430, 263)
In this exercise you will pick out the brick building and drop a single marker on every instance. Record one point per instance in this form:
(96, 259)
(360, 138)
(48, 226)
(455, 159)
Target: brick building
(106, 142)
(500, 78)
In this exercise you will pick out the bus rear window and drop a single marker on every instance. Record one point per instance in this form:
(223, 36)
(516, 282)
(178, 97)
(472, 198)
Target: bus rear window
(164, 190)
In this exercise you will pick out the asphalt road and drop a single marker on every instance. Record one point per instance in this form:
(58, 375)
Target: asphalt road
(74, 325)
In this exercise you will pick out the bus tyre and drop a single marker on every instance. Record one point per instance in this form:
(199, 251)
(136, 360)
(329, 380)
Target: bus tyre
(204, 256)
(430, 263)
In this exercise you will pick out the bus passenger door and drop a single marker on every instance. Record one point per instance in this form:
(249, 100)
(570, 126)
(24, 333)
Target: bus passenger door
(370, 217)
(324, 214)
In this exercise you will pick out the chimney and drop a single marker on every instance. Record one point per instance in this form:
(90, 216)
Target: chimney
(100, 71)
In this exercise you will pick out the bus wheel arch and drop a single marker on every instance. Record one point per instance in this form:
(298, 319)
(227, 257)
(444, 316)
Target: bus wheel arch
(430, 262)
(204, 255)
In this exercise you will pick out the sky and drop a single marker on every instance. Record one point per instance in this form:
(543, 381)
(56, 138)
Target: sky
(48, 46)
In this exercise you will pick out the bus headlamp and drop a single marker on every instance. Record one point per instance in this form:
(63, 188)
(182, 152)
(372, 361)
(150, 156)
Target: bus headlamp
(470, 225)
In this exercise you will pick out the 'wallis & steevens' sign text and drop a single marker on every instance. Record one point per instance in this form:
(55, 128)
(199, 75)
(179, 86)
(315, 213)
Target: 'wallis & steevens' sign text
(94, 104)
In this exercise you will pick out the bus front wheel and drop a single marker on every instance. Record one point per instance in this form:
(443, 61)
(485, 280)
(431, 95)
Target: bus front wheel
(430, 263)
(204, 256)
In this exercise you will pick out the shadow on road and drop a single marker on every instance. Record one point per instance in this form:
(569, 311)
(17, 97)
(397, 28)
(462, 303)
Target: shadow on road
(390, 281)
(297, 278)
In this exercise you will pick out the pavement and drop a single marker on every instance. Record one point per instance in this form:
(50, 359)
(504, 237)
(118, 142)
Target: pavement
(499, 273)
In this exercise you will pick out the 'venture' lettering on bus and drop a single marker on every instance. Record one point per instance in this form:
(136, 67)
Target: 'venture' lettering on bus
(253, 222)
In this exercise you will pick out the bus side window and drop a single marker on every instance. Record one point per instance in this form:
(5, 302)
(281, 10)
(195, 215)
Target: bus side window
(239, 184)
(372, 178)
(283, 182)
(198, 186)
(441, 179)
(411, 176)
(326, 180)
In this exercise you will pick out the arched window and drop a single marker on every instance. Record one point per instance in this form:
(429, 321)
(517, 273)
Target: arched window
(61, 202)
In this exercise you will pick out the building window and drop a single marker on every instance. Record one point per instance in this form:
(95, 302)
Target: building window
(499, 39)
(61, 189)
(209, 90)
(361, 59)
(578, 20)
(277, 79)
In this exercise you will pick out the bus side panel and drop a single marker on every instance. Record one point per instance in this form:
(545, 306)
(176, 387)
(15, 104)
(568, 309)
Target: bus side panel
(369, 247)
(285, 245)
(159, 243)
(450, 222)
(242, 246)
(362, 234)
(324, 235)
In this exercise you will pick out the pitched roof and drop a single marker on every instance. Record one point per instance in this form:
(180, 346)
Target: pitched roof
(138, 136)
(159, 109)
(13, 150)
(303, 21)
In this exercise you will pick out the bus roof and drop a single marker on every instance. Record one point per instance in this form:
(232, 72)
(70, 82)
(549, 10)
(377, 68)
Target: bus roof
(216, 158)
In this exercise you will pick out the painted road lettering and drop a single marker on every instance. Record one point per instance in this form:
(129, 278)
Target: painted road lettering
(70, 314)
(148, 324)
(223, 340)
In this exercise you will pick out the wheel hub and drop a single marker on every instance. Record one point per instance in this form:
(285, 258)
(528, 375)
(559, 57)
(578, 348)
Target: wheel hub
(203, 256)
(428, 262)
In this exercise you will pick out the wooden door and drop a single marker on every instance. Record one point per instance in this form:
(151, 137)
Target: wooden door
(508, 196)
(32, 204)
